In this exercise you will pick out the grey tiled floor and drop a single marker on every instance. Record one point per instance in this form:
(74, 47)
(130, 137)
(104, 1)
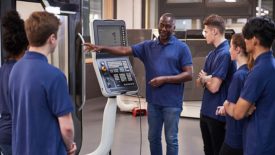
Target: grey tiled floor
(127, 132)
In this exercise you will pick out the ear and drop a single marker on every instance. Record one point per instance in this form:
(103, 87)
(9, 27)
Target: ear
(238, 49)
(215, 31)
(255, 41)
(52, 38)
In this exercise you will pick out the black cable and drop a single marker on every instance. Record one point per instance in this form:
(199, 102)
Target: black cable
(140, 126)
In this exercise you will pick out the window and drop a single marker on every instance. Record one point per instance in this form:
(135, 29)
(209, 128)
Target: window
(235, 23)
(185, 24)
(266, 8)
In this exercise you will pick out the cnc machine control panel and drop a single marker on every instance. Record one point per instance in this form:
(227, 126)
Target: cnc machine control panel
(117, 74)
(114, 73)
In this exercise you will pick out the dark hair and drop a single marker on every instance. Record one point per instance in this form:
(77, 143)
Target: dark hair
(263, 28)
(39, 26)
(14, 37)
(215, 21)
(169, 15)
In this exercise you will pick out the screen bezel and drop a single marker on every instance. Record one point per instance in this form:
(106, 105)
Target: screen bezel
(113, 23)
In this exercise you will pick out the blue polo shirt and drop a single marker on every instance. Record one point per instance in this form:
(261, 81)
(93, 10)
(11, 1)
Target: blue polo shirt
(39, 95)
(5, 116)
(218, 64)
(234, 129)
(163, 60)
(259, 90)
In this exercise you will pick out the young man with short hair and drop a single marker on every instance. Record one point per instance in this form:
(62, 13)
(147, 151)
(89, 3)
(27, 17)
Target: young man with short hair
(215, 78)
(40, 101)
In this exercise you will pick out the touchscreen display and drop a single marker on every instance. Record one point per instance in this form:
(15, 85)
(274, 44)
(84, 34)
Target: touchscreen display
(109, 35)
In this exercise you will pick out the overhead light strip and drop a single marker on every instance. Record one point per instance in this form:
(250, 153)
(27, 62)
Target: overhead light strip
(230, 1)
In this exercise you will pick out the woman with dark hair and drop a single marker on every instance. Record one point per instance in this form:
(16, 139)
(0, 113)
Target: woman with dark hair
(15, 43)
(233, 144)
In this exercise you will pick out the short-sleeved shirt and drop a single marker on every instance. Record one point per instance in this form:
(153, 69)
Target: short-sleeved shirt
(259, 90)
(163, 60)
(218, 64)
(39, 95)
(234, 128)
(5, 116)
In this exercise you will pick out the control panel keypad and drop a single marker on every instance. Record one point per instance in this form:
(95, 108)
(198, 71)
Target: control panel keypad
(116, 73)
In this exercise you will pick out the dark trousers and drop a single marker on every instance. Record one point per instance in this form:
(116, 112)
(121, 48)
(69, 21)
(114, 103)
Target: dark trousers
(227, 150)
(213, 132)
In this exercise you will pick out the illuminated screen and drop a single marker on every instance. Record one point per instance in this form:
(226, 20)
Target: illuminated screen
(109, 35)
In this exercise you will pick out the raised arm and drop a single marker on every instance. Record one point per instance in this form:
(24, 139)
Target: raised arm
(116, 50)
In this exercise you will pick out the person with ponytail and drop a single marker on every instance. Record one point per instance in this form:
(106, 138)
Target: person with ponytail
(233, 144)
(15, 43)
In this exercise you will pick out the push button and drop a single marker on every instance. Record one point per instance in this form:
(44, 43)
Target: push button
(103, 69)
